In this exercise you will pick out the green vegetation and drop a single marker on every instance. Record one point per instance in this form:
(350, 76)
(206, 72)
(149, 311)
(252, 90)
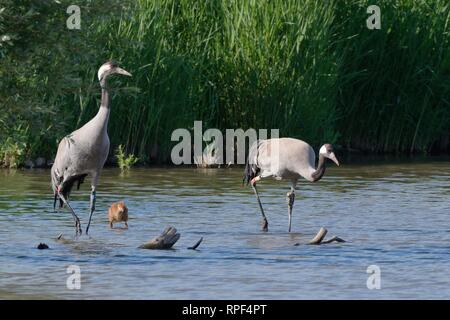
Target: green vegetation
(310, 68)
(11, 153)
(125, 162)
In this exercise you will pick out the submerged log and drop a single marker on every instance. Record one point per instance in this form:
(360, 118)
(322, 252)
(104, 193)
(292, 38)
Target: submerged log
(319, 236)
(42, 246)
(164, 241)
(60, 238)
(66, 241)
(318, 239)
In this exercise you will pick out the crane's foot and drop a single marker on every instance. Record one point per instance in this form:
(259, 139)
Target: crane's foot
(78, 229)
(265, 225)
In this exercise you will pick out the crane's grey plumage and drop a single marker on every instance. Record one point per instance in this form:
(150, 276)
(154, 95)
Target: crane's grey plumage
(285, 158)
(84, 151)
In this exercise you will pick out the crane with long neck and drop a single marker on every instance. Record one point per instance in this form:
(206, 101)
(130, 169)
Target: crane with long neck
(84, 151)
(285, 158)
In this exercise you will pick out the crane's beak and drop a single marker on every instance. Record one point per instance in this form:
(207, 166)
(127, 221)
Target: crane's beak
(123, 71)
(333, 158)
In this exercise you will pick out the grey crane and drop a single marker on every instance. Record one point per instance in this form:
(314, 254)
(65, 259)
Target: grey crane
(84, 151)
(285, 158)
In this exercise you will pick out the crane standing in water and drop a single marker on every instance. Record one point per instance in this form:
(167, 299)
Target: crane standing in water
(84, 151)
(285, 158)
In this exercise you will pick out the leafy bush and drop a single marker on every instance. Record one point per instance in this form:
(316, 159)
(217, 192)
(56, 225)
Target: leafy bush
(13, 149)
(124, 161)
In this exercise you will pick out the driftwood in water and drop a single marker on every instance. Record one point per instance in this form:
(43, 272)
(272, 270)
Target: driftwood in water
(195, 246)
(334, 239)
(60, 238)
(319, 236)
(318, 239)
(42, 246)
(164, 241)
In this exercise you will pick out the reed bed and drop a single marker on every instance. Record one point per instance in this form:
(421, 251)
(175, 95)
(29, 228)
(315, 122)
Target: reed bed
(309, 68)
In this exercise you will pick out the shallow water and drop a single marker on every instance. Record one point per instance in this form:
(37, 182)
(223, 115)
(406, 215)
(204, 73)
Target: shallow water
(395, 216)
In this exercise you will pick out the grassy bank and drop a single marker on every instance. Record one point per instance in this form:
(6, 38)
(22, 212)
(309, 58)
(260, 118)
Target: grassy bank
(310, 68)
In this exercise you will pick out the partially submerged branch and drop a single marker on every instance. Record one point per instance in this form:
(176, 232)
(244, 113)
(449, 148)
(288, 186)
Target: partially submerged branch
(333, 239)
(318, 239)
(319, 236)
(164, 241)
(195, 246)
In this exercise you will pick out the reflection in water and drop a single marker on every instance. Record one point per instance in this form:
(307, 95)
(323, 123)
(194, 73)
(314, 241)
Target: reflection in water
(393, 215)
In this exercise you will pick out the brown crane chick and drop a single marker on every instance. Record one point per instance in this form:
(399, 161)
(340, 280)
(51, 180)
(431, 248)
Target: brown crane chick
(118, 212)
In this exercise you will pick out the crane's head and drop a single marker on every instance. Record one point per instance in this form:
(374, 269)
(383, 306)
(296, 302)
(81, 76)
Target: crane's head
(109, 68)
(327, 151)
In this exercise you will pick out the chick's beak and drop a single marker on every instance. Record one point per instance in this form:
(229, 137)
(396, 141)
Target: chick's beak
(334, 159)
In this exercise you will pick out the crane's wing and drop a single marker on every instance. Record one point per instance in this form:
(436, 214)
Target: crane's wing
(60, 177)
(282, 158)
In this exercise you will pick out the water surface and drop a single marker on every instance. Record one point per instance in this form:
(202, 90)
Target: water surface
(395, 216)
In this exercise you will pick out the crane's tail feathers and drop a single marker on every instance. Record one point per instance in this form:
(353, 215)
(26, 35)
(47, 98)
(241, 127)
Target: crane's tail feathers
(251, 167)
(67, 188)
(248, 173)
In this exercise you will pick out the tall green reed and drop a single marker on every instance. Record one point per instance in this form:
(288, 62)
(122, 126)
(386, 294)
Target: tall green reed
(310, 68)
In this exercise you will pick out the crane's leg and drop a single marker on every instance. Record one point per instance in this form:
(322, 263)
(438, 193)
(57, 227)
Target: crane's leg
(54, 201)
(75, 217)
(92, 207)
(265, 224)
(290, 197)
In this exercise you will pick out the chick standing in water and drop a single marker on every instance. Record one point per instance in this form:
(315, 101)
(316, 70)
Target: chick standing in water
(118, 212)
